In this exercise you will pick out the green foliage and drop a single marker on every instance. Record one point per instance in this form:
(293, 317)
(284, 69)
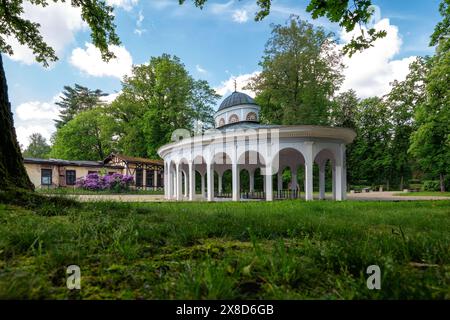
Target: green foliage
(158, 98)
(280, 250)
(430, 143)
(87, 137)
(344, 110)
(75, 100)
(300, 71)
(96, 14)
(370, 159)
(38, 147)
(431, 185)
(442, 29)
(348, 17)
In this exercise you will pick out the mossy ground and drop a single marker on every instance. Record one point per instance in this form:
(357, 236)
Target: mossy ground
(252, 250)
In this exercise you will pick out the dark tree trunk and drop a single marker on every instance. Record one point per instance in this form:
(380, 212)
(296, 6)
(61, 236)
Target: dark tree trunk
(12, 171)
(441, 181)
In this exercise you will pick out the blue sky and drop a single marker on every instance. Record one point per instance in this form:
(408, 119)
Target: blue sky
(218, 43)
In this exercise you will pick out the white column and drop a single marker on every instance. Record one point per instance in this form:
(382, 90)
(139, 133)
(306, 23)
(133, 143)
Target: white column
(322, 180)
(338, 182)
(309, 164)
(202, 189)
(210, 181)
(166, 174)
(251, 174)
(268, 183)
(185, 184)
(344, 172)
(155, 179)
(333, 179)
(219, 182)
(235, 182)
(191, 181)
(178, 182)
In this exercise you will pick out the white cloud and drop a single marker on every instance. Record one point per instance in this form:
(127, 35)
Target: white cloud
(240, 16)
(227, 86)
(57, 31)
(369, 72)
(200, 69)
(127, 5)
(139, 30)
(110, 97)
(219, 8)
(35, 117)
(90, 62)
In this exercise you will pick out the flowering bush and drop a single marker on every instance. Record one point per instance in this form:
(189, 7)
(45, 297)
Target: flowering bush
(115, 182)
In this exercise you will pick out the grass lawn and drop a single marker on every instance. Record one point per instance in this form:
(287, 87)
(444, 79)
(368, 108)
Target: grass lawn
(250, 250)
(424, 194)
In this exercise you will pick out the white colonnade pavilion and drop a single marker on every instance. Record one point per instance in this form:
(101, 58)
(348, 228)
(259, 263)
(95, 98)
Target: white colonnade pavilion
(195, 166)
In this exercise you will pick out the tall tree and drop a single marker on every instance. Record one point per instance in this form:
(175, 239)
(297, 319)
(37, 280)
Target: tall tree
(402, 101)
(100, 19)
(156, 99)
(75, 100)
(430, 143)
(301, 69)
(87, 136)
(38, 147)
(344, 110)
(369, 160)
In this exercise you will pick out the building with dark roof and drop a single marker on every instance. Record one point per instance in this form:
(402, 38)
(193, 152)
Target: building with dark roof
(52, 173)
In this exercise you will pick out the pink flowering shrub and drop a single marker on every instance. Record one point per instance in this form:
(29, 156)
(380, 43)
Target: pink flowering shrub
(115, 182)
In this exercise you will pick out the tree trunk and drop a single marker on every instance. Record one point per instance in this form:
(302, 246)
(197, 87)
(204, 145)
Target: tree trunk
(12, 171)
(401, 183)
(441, 180)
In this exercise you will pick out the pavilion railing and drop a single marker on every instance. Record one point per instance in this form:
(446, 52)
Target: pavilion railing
(286, 194)
(277, 194)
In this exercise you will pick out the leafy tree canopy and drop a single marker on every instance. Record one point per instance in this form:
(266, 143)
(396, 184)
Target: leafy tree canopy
(38, 147)
(158, 98)
(86, 137)
(75, 100)
(301, 70)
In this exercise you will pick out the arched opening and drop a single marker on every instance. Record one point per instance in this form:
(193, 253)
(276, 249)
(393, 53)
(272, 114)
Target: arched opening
(222, 175)
(288, 165)
(251, 179)
(323, 173)
(199, 167)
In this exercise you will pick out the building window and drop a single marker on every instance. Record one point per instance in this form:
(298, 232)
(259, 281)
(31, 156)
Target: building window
(149, 174)
(160, 179)
(251, 116)
(233, 118)
(221, 122)
(71, 177)
(139, 177)
(46, 177)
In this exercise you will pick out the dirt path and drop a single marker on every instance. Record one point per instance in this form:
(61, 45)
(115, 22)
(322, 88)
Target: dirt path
(389, 196)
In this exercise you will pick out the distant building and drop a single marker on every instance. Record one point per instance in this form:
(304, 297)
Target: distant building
(52, 173)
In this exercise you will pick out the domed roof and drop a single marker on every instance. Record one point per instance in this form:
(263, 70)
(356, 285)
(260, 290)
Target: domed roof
(235, 99)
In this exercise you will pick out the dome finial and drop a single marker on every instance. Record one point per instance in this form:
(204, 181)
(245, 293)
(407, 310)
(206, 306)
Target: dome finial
(235, 86)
